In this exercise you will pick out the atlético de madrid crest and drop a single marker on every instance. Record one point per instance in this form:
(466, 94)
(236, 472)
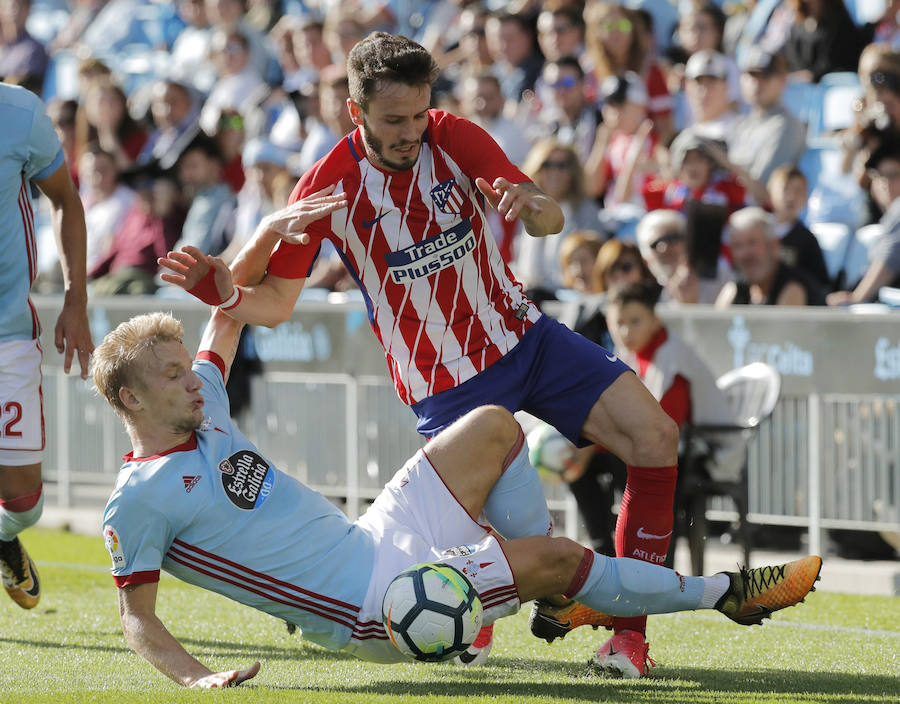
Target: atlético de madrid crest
(448, 197)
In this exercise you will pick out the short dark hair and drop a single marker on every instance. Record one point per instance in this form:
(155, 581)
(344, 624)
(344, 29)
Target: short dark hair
(634, 292)
(569, 62)
(206, 145)
(387, 57)
(786, 172)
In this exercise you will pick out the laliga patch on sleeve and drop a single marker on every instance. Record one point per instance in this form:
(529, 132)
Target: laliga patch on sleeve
(114, 546)
(247, 479)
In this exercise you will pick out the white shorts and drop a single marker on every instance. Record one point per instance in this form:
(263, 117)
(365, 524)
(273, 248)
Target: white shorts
(21, 403)
(417, 519)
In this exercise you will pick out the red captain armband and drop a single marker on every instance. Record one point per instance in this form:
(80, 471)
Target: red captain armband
(205, 289)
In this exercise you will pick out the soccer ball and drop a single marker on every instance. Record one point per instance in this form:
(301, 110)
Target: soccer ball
(550, 452)
(431, 612)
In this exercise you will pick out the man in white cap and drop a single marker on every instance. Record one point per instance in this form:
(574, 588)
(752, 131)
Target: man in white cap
(769, 135)
(706, 86)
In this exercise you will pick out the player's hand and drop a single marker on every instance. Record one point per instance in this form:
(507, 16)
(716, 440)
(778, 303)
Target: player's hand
(291, 221)
(231, 678)
(73, 334)
(507, 198)
(207, 278)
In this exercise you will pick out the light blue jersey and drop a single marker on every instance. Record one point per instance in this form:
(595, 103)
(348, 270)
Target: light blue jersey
(215, 513)
(29, 150)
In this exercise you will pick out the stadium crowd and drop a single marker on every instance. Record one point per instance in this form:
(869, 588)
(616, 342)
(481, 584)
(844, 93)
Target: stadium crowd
(654, 124)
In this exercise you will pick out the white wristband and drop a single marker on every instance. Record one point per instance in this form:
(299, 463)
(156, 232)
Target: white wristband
(233, 299)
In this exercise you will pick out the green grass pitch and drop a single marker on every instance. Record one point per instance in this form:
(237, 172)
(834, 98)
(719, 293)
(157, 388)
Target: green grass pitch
(834, 648)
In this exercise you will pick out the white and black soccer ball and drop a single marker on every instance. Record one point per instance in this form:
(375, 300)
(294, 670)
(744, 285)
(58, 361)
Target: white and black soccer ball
(550, 452)
(431, 612)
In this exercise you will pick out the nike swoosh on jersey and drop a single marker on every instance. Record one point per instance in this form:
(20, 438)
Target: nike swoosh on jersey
(641, 533)
(371, 223)
(612, 358)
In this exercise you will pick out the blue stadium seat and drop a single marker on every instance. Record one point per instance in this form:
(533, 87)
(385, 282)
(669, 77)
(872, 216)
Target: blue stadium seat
(829, 104)
(799, 98)
(863, 11)
(845, 250)
(837, 106)
(820, 161)
(61, 79)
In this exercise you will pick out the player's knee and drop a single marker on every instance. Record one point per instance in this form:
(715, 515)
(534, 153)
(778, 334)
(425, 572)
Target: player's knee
(562, 558)
(495, 425)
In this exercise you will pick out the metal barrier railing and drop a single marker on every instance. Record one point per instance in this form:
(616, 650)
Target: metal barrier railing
(822, 462)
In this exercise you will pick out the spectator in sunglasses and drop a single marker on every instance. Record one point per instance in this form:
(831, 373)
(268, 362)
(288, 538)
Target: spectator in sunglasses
(662, 238)
(566, 114)
(618, 263)
(556, 170)
(560, 32)
(617, 42)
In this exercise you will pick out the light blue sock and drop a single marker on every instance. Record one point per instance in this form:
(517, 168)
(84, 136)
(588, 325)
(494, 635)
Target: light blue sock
(14, 522)
(516, 506)
(621, 586)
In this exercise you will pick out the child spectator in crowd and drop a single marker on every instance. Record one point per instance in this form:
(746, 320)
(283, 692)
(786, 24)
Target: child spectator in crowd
(697, 164)
(622, 159)
(799, 246)
(672, 371)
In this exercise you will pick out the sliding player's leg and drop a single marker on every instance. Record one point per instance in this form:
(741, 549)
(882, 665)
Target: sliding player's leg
(628, 588)
(483, 460)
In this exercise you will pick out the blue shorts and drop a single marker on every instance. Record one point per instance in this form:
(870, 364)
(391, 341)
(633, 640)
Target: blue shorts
(553, 373)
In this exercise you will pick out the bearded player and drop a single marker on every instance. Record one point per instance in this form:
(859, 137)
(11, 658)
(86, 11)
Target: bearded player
(456, 327)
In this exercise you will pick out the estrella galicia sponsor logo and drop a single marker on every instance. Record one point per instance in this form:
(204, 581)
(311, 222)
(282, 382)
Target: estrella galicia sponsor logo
(887, 360)
(431, 255)
(448, 197)
(250, 482)
(225, 467)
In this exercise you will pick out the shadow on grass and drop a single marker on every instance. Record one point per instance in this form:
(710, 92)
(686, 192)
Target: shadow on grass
(303, 652)
(676, 685)
(66, 646)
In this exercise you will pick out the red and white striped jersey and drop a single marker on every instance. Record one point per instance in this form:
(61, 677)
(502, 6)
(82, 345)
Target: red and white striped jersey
(440, 299)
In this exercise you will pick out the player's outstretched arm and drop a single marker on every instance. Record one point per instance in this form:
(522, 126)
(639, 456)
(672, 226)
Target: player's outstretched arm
(259, 299)
(150, 639)
(72, 334)
(540, 214)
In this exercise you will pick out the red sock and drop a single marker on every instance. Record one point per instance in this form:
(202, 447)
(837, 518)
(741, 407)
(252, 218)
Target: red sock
(644, 527)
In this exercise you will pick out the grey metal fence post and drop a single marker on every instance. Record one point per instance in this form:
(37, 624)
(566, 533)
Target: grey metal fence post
(815, 474)
(352, 431)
